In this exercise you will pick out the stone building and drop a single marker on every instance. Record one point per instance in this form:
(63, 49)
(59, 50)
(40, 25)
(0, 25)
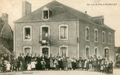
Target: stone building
(61, 30)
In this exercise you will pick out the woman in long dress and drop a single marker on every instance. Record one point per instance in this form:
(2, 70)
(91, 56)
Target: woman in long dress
(69, 63)
(51, 63)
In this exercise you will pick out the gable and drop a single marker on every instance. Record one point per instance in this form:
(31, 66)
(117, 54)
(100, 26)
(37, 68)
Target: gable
(59, 12)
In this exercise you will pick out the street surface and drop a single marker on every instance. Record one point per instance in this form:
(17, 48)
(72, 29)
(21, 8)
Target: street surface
(52, 72)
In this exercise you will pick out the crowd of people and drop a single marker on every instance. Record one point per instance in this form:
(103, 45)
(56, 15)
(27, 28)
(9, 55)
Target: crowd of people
(10, 63)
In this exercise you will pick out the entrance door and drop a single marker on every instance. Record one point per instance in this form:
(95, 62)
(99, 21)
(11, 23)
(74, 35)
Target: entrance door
(27, 50)
(63, 51)
(45, 52)
(107, 53)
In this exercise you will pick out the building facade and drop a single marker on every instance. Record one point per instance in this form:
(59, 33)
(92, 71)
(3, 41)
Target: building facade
(61, 30)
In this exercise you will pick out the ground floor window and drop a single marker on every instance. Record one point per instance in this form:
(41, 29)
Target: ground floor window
(87, 49)
(63, 51)
(96, 51)
(27, 50)
(45, 50)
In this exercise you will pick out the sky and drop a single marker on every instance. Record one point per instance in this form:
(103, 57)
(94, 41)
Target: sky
(111, 13)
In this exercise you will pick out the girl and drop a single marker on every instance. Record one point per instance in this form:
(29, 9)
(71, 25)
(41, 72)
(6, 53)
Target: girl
(8, 66)
(29, 66)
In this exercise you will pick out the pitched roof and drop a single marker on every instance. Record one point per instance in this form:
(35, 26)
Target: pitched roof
(1, 24)
(4, 50)
(59, 12)
(5, 30)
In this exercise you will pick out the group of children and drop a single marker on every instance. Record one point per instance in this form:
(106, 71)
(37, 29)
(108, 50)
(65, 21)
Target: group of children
(27, 62)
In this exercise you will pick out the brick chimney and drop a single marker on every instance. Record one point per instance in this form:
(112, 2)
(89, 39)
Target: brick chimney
(26, 8)
(5, 17)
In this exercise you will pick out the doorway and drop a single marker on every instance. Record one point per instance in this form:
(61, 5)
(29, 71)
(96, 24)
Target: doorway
(45, 52)
(106, 52)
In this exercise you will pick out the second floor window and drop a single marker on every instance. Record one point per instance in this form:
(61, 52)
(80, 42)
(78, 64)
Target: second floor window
(27, 33)
(87, 33)
(63, 32)
(109, 38)
(96, 35)
(103, 36)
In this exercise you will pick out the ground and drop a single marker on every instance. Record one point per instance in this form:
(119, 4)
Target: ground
(73, 72)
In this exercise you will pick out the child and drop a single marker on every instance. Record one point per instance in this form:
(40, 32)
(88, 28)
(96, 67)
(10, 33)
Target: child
(102, 67)
(56, 64)
(29, 66)
(33, 63)
(8, 66)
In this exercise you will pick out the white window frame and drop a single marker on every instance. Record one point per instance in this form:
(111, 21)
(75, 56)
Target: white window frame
(41, 30)
(97, 50)
(95, 35)
(66, 50)
(27, 47)
(30, 33)
(41, 47)
(87, 33)
(85, 50)
(103, 37)
(109, 39)
(66, 31)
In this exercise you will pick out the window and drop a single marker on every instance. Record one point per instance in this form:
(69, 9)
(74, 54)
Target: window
(95, 35)
(63, 50)
(45, 32)
(46, 13)
(109, 38)
(87, 49)
(27, 50)
(96, 50)
(63, 32)
(87, 33)
(103, 36)
(27, 33)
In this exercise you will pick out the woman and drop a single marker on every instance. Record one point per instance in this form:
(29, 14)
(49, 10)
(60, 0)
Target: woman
(56, 64)
(79, 63)
(38, 65)
(102, 67)
(51, 63)
(90, 63)
(69, 63)
(60, 63)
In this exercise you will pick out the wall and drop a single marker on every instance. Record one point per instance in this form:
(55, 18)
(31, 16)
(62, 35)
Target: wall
(92, 44)
(54, 31)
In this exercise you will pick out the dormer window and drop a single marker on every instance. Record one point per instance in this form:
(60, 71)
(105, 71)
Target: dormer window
(46, 13)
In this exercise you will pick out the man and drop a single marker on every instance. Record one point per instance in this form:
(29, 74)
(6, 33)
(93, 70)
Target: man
(20, 57)
(95, 61)
(23, 62)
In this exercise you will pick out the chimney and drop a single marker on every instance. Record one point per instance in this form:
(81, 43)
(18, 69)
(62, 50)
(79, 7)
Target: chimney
(5, 17)
(26, 8)
(85, 12)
